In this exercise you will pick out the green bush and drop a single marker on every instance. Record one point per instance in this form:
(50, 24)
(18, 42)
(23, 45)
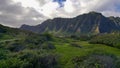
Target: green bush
(48, 36)
(38, 59)
(94, 61)
(3, 54)
(48, 46)
(107, 39)
(76, 45)
(11, 63)
(15, 47)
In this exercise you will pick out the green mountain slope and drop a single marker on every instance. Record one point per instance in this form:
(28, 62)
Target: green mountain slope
(23, 49)
(92, 22)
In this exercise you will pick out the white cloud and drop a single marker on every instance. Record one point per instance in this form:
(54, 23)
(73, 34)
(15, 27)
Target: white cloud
(49, 9)
(34, 11)
(29, 3)
(72, 8)
(69, 6)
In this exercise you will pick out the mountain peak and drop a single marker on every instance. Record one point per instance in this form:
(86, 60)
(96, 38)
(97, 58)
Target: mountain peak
(93, 12)
(92, 22)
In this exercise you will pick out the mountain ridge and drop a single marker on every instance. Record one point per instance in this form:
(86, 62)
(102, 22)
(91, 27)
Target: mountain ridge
(92, 22)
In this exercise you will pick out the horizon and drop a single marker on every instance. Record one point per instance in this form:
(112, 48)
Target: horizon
(14, 13)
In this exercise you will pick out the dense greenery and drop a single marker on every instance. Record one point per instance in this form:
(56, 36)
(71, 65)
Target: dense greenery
(107, 39)
(28, 52)
(21, 49)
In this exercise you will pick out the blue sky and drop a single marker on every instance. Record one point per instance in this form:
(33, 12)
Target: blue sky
(60, 2)
(118, 7)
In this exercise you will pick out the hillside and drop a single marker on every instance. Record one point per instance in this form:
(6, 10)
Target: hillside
(91, 22)
(24, 49)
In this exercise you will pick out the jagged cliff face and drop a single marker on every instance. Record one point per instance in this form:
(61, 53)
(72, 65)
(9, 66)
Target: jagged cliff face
(92, 22)
(116, 20)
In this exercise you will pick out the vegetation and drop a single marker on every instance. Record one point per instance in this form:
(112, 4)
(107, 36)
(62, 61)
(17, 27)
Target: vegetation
(21, 49)
(107, 39)
(27, 53)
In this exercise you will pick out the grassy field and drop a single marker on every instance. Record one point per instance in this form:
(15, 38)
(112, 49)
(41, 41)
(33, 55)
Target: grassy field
(67, 52)
(70, 53)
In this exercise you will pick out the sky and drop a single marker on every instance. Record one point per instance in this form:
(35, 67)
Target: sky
(14, 13)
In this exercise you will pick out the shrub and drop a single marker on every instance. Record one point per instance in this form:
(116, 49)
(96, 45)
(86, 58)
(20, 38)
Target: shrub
(107, 39)
(15, 47)
(3, 54)
(76, 45)
(48, 36)
(37, 59)
(48, 46)
(94, 61)
(11, 63)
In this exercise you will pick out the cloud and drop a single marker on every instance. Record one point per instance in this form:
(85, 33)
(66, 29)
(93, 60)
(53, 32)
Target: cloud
(69, 6)
(49, 9)
(14, 15)
(72, 8)
(17, 12)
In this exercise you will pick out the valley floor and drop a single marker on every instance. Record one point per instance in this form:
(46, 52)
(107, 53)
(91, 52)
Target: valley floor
(66, 53)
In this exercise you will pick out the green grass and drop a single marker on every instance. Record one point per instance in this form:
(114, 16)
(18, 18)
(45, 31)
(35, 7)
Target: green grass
(5, 36)
(64, 49)
(68, 52)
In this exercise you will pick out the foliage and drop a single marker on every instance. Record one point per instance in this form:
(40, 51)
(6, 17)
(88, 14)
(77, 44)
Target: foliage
(107, 39)
(94, 61)
(22, 49)
(11, 63)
